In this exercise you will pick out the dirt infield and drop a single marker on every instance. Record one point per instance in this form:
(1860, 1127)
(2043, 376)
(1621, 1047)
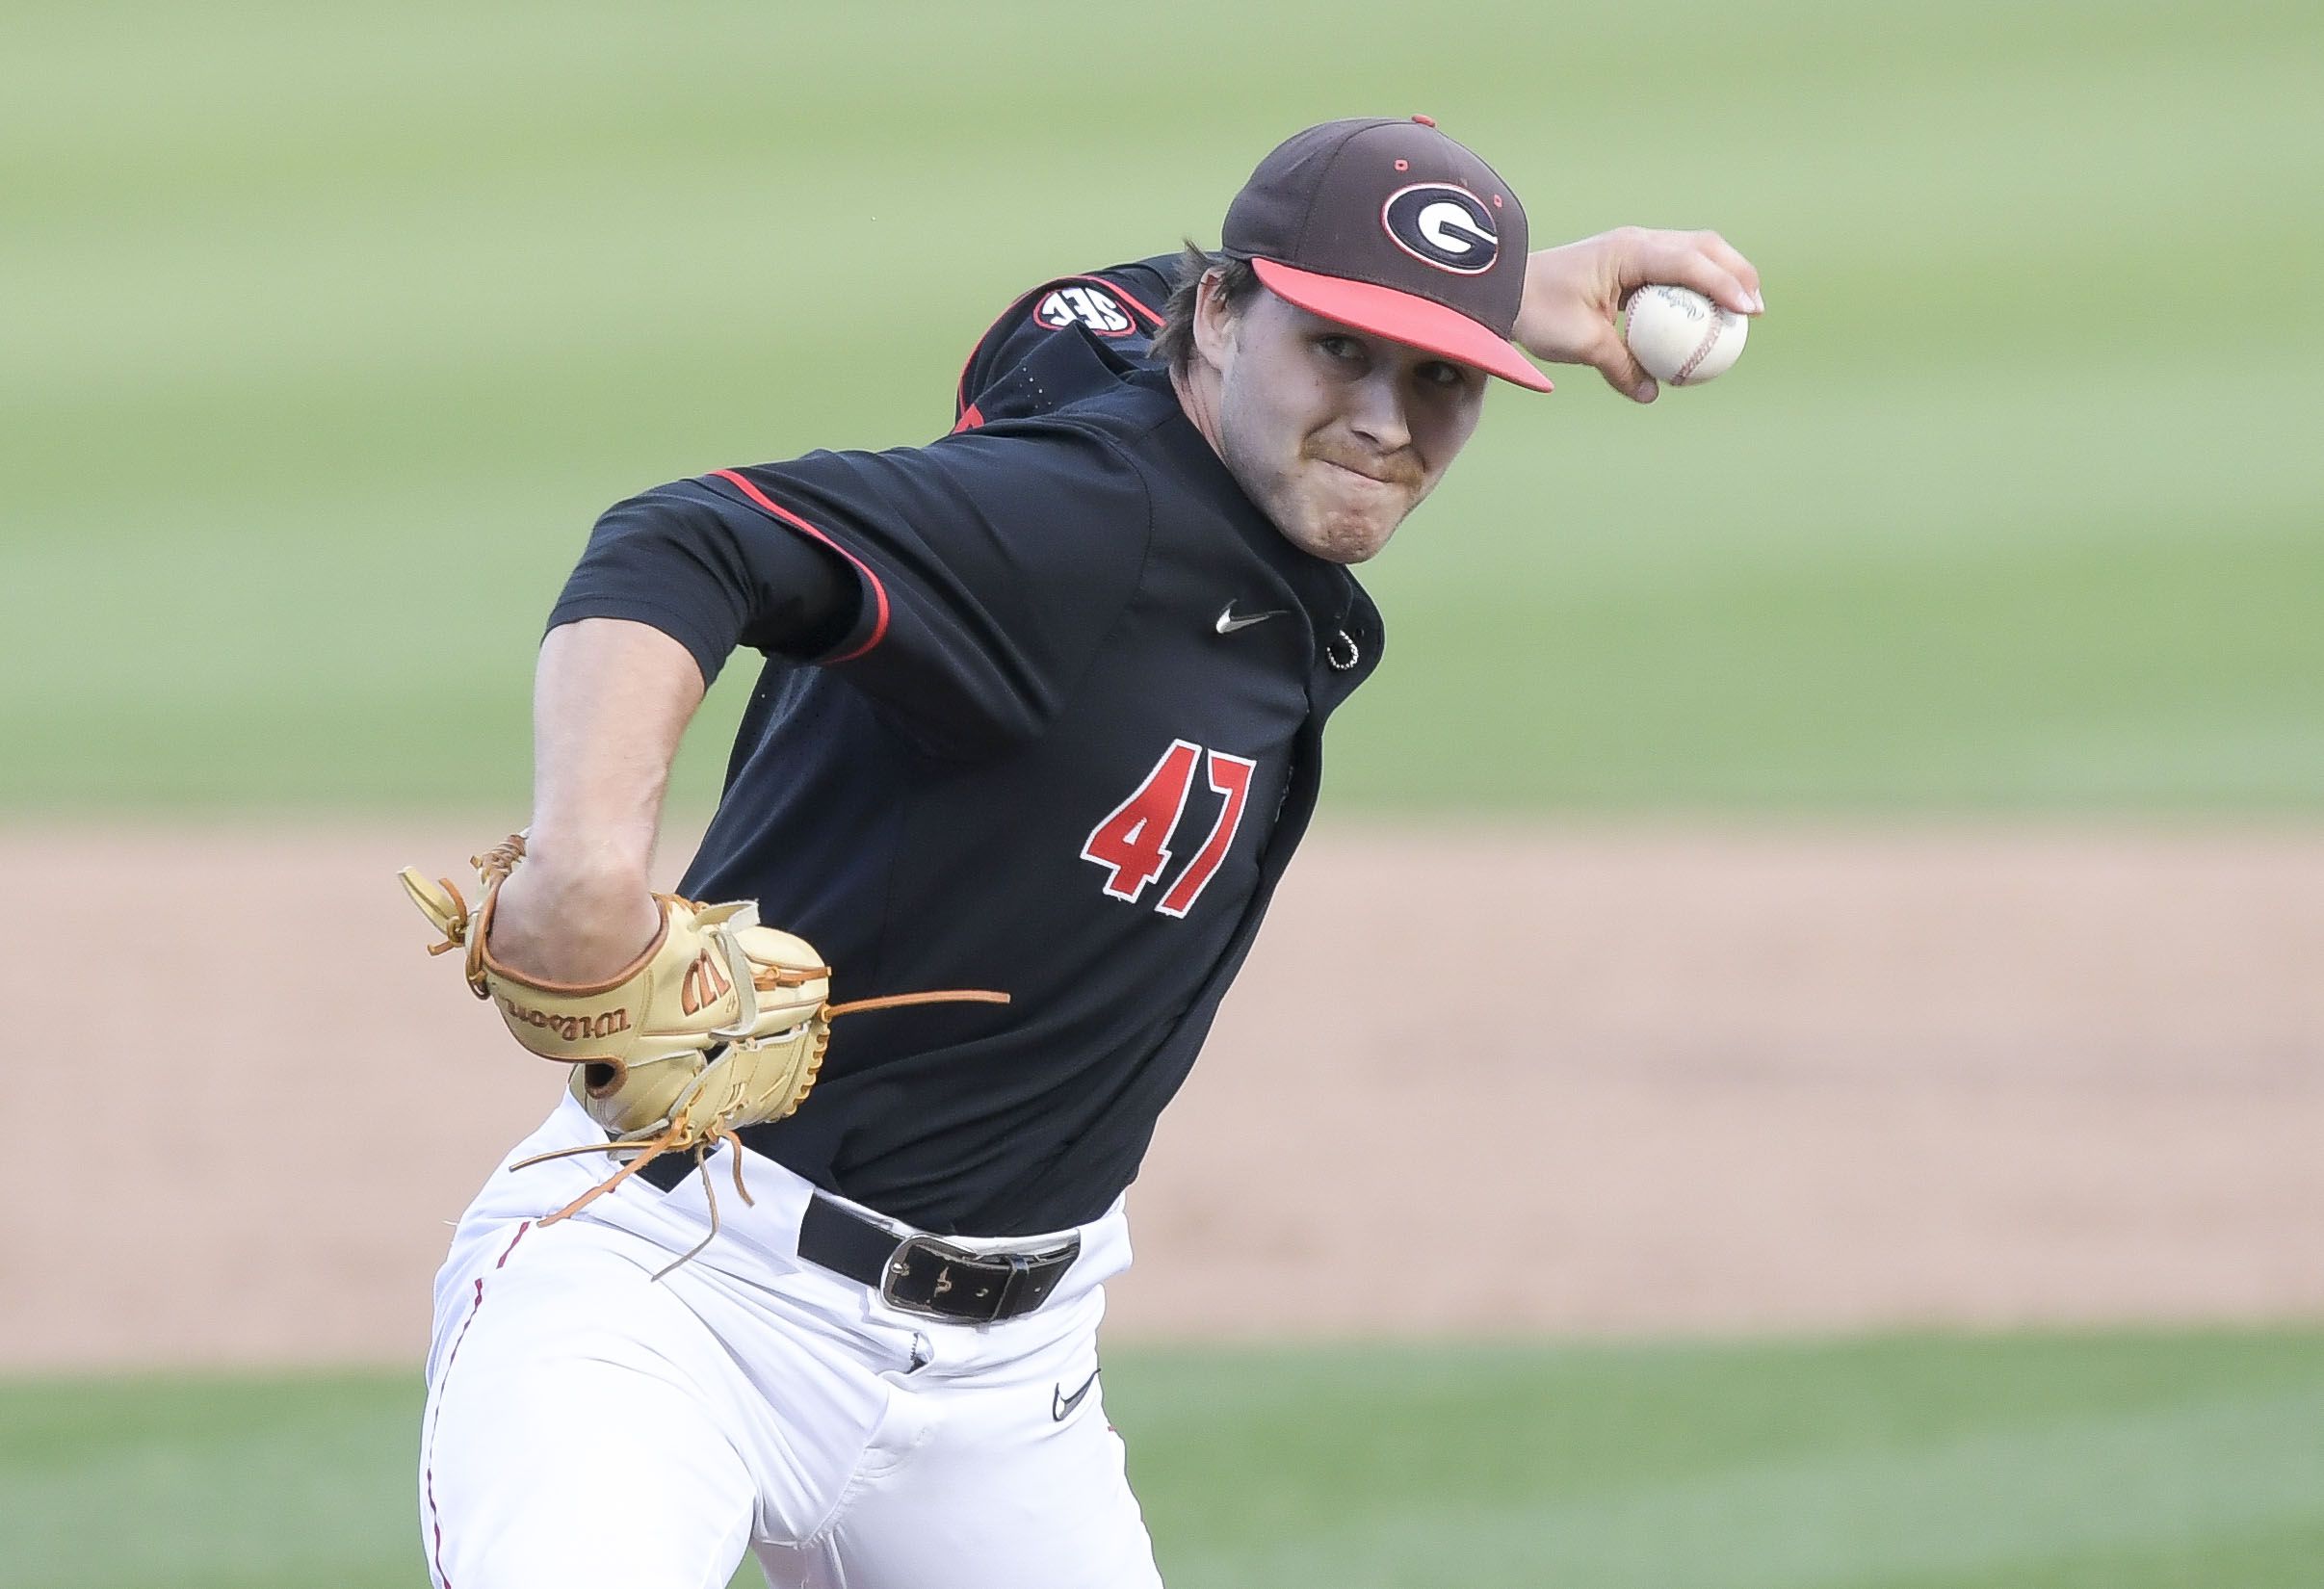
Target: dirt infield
(1567, 1080)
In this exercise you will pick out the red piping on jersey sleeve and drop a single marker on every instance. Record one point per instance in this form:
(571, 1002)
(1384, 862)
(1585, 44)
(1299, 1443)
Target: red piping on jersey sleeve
(960, 385)
(880, 591)
(971, 417)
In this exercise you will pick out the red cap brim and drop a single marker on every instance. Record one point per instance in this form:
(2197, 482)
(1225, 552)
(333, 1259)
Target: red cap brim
(1400, 317)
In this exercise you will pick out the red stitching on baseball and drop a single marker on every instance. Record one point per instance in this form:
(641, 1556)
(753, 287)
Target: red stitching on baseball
(1711, 338)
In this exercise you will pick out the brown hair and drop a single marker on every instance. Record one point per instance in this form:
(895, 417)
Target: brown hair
(1237, 284)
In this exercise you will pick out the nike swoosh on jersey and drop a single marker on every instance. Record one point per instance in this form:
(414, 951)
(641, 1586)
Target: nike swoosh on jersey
(1062, 1405)
(1229, 621)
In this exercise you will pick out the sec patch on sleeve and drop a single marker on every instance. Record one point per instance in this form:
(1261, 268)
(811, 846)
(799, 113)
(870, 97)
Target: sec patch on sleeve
(1092, 306)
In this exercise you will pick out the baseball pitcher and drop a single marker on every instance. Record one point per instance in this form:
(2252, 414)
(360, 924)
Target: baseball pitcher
(808, 1260)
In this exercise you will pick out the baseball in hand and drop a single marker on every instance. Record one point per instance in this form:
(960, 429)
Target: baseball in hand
(1680, 336)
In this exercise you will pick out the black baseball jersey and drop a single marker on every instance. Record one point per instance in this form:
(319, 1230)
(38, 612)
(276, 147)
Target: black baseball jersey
(1043, 713)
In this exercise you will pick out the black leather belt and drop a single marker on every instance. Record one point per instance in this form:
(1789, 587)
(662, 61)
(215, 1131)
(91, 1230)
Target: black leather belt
(926, 1274)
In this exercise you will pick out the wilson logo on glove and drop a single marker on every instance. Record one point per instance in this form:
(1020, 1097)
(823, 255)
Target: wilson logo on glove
(566, 1027)
(705, 985)
(720, 1023)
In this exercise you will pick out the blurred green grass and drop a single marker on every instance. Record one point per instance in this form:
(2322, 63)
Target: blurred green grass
(2148, 1460)
(329, 330)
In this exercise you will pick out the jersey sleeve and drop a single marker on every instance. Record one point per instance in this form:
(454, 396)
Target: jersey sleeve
(689, 561)
(1119, 307)
(990, 567)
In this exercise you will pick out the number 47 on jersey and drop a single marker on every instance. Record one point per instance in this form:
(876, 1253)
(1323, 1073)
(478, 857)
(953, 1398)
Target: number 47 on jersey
(1133, 844)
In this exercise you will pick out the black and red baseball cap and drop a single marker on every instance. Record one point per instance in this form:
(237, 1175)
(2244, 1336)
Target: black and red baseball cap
(1385, 224)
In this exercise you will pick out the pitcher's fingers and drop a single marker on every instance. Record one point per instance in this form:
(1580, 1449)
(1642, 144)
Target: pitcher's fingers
(1693, 268)
(1742, 270)
(1690, 259)
(1612, 358)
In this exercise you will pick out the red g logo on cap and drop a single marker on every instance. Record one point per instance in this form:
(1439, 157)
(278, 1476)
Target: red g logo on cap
(1440, 224)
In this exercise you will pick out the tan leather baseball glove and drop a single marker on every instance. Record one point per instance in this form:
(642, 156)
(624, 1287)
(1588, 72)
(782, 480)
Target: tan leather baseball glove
(721, 1023)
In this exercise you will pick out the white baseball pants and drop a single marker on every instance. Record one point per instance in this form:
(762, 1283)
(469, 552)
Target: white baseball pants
(588, 1425)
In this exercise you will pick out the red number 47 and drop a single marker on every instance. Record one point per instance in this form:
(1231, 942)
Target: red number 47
(1133, 844)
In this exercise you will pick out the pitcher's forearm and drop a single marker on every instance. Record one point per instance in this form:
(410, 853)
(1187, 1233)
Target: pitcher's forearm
(611, 700)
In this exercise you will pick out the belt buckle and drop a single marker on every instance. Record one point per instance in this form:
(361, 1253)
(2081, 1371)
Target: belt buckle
(904, 1260)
